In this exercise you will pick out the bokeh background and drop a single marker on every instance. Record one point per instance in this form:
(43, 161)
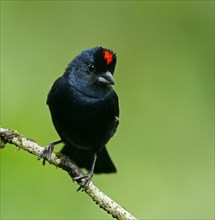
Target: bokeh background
(163, 148)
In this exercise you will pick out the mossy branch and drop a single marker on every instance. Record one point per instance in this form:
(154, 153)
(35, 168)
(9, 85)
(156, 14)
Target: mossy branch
(59, 160)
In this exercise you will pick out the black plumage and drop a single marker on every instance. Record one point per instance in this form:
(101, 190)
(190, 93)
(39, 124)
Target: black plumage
(84, 110)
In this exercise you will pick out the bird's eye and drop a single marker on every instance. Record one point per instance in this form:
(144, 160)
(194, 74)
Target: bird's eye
(91, 67)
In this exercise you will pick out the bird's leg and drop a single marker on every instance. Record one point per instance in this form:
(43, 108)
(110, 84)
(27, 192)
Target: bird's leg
(86, 178)
(46, 154)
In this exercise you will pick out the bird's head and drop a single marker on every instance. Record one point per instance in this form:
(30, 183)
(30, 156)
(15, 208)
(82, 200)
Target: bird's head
(94, 66)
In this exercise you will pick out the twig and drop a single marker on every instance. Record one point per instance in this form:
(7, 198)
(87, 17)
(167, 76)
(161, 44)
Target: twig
(59, 160)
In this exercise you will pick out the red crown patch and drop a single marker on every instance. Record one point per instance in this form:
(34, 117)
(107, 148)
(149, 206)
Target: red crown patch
(108, 56)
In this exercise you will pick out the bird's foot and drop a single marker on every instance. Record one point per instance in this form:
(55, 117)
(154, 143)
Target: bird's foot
(46, 154)
(84, 180)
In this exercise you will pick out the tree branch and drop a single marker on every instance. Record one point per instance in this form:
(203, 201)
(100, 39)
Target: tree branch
(59, 160)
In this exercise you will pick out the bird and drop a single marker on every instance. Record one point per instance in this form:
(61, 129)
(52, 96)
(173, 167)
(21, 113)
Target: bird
(85, 111)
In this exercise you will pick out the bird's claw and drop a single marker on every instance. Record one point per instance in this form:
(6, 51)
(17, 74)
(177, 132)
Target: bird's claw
(46, 154)
(83, 180)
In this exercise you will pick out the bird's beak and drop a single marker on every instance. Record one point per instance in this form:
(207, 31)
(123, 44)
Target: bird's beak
(106, 78)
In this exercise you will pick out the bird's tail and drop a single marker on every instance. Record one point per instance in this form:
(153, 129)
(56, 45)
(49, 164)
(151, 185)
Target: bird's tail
(84, 159)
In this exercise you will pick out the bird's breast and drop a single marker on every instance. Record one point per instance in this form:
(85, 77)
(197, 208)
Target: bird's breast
(84, 121)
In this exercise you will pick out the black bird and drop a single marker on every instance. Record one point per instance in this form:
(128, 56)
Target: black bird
(84, 110)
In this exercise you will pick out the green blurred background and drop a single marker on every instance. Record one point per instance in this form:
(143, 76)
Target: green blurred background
(163, 148)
